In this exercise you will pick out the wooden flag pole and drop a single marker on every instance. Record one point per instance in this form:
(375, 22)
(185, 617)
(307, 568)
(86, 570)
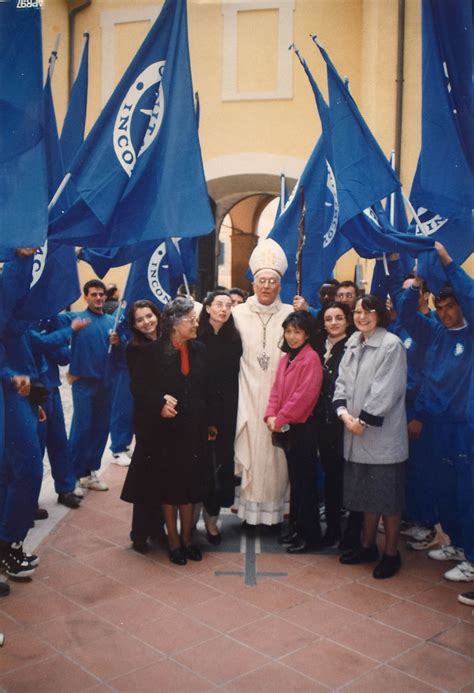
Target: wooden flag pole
(299, 247)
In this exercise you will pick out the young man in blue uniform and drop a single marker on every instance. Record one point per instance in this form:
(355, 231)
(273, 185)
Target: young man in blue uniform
(442, 409)
(420, 497)
(91, 388)
(21, 465)
(50, 342)
(12, 558)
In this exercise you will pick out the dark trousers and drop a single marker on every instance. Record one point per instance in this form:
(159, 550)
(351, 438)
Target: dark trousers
(330, 445)
(147, 521)
(302, 471)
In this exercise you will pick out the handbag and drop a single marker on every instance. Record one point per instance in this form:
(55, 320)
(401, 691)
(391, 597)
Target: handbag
(281, 440)
(38, 393)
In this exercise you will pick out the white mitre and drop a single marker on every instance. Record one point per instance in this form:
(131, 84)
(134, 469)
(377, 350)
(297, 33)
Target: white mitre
(268, 255)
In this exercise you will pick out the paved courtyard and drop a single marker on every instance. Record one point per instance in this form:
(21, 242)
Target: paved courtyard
(99, 617)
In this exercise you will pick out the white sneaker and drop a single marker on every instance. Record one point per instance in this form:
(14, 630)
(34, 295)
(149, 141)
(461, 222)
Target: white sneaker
(418, 533)
(93, 483)
(447, 553)
(121, 458)
(464, 572)
(408, 528)
(423, 539)
(78, 490)
(466, 598)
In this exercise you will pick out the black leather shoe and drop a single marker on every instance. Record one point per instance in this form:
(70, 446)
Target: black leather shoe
(4, 589)
(177, 556)
(214, 539)
(350, 541)
(69, 500)
(290, 537)
(300, 546)
(361, 555)
(140, 546)
(192, 552)
(388, 567)
(41, 514)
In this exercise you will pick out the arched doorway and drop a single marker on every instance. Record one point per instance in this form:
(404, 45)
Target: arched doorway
(242, 215)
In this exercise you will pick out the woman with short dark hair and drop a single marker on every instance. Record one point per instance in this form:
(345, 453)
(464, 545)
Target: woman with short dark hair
(170, 383)
(369, 398)
(290, 408)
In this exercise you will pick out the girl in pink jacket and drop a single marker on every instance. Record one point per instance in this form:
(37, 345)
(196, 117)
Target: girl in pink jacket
(290, 408)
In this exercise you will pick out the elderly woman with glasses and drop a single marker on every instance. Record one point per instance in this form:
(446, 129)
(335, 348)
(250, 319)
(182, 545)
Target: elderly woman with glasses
(369, 398)
(171, 383)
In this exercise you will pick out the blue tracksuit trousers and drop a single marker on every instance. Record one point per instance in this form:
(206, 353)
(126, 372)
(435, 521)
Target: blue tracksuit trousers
(451, 447)
(121, 419)
(53, 437)
(90, 424)
(420, 498)
(21, 468)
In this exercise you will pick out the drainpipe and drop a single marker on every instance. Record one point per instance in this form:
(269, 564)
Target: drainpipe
(72, 37)
(399, 82)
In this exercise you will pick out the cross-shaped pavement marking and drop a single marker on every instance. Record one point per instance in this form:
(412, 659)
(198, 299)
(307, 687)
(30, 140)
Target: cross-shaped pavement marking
(248, 547)
(250, 541)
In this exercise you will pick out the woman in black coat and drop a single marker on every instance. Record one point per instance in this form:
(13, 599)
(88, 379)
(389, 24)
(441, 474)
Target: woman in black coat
(144, 321)
(170, 387)
(337, 323)
(217, 331)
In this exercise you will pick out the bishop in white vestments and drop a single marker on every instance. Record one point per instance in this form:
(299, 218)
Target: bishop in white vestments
(261, 466)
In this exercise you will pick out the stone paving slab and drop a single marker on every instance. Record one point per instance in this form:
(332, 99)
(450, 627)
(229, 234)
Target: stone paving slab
(98, 616)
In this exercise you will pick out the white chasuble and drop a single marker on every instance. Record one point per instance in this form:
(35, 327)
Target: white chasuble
(261, 466)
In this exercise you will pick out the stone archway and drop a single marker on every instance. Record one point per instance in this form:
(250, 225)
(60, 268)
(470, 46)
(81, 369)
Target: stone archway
(243, 196)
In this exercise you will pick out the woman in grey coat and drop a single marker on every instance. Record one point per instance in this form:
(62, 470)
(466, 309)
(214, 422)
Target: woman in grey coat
(370, 400)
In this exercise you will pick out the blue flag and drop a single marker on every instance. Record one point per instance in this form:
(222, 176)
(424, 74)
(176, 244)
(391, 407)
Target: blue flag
(334, 221)
(15, 280)
(323, 243)
(396, 215)
(139, 174)
(103, 259)
(54, 281)
(443, 187)
(23, 186)
(363, 174)
(157, 275)
(72, 133)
